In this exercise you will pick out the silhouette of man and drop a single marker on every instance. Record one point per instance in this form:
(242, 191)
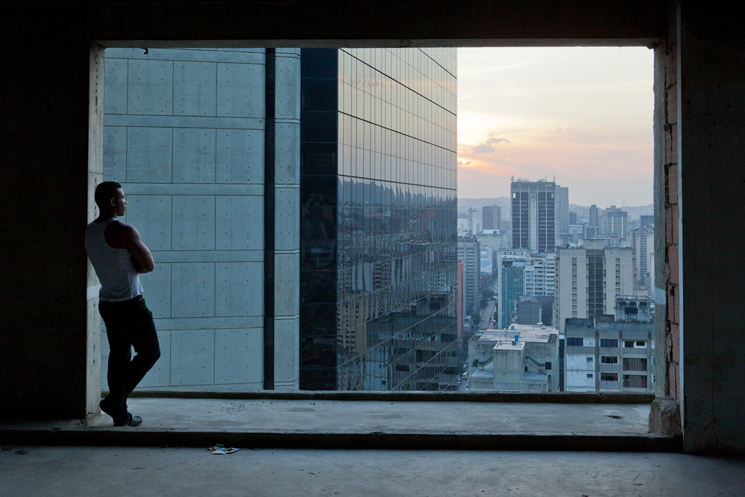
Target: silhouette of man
(119, 256)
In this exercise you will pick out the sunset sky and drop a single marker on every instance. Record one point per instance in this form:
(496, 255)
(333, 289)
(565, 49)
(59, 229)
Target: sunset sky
(582, 114)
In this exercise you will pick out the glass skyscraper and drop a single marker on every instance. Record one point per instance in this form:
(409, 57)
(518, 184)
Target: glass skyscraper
(378, 219)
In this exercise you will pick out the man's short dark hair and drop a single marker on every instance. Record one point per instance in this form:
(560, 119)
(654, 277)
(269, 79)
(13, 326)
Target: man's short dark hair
(105, 192)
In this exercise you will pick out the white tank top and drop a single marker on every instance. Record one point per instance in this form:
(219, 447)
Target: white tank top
(114, 268)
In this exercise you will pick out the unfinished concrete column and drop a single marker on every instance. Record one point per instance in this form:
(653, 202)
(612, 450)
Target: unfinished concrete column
(50, 143)
(665, 413)
(710, 81)
(287, 221)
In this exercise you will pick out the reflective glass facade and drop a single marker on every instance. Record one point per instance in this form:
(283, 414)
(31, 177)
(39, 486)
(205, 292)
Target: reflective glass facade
(378, 219)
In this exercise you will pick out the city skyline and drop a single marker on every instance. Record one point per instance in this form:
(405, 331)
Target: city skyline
(580, 114)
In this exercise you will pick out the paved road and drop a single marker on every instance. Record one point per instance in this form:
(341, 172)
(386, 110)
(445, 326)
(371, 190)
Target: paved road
(486, 315)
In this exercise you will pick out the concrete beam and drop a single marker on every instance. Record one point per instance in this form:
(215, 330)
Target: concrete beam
(337, 23)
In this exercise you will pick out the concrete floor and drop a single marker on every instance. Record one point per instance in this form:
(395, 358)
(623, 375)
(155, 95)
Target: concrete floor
(329, 424)
(359, 416)
(115, 471)
(308, 416)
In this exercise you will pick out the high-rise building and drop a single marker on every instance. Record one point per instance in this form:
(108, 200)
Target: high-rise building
(562, 212)
(529, 311)
(594, 218)
(464, 225)
(235, 160)
(540, 274)
(535, 223)
(492, 217)
(611, 353)
(646, 220)
(572, 217)
(642, 243)
(509, 253)
(477, 224)
(469, 253)
(513, 287)
(618, 222)
(378, 195)
(589, 278)
(618, 268)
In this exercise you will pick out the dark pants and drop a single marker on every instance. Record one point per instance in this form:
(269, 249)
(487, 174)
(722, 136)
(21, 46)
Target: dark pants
(128, 323)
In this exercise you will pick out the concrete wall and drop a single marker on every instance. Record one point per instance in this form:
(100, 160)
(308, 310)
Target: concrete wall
(184, 134)
(705, 298)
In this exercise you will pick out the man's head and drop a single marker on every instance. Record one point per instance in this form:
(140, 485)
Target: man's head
(109, 197)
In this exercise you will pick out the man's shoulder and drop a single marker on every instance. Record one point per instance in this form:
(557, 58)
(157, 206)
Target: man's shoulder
(120, 232)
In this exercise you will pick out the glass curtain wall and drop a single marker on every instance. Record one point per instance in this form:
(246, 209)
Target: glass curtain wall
(378, 219)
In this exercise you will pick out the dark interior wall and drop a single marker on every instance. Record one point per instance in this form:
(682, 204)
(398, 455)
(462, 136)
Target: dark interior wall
(710, 97)
(44, 92)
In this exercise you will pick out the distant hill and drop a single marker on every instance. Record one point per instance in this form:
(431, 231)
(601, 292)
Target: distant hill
(583, 211)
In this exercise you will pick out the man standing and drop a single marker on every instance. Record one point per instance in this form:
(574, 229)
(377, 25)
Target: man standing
(118, 256)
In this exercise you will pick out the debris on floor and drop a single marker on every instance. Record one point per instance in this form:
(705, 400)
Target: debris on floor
(220, 449)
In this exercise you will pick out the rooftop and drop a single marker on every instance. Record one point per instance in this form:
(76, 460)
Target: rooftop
(524, 332)
(508, 345)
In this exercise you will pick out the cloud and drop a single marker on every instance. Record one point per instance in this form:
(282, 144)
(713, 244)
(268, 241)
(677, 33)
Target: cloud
(461, 163)
(486, 147)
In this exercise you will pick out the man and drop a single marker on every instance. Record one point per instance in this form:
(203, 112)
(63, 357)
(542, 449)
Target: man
(119, 256)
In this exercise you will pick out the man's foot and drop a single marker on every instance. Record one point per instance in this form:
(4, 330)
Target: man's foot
(129, 421)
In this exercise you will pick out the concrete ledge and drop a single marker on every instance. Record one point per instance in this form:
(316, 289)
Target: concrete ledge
(368, 441)
(529, 398)
(664, 416)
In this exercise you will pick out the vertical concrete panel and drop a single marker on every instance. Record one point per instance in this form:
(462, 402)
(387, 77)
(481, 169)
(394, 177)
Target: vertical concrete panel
(240, 90)
(149, 155)
(662, 381)
(192, 357)
(160, 375)
(93, 323)
(193, 155)
(191, 158)
(194, 89)
(286, 284)
(240, 156)
(240, 223)
(193, 290)
(239, 357)
(193, 222)
(287, 215)
(115, 99)
(115, 153)
(151, 215)
(157, 289)
(287, 153)
(286, 354)
(239, 289)
(287, 220)
(287, 83)
(150, 84)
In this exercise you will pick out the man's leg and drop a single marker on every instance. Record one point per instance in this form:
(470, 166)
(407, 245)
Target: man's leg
(120, 354)
(144, 338)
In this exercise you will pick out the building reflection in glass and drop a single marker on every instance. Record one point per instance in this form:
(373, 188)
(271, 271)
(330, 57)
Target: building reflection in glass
(378, 219)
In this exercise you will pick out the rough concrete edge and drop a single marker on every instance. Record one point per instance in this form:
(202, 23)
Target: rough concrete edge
(664, 417)
(349, 441)
(537, 398)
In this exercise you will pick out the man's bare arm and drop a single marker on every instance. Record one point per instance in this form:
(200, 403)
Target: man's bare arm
(142, 259)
